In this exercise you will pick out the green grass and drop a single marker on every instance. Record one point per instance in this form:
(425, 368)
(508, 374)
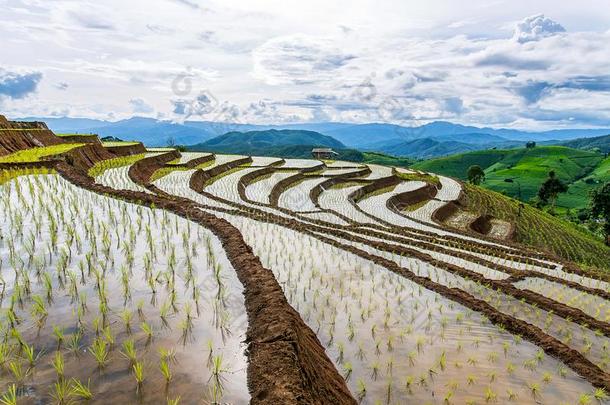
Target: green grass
(541, 230)
(426, 178)
(528, 167)
(114, 144)
(91, 135)
(7, 175)
(582, 188)
(457, 165)
(164, 171)
(102, 166)
(37, 154)
(386, 160)
(214, 179)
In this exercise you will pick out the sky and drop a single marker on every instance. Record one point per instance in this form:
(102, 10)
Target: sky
(534, 64)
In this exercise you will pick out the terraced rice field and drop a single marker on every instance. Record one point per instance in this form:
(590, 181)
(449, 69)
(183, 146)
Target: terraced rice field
(279, 281)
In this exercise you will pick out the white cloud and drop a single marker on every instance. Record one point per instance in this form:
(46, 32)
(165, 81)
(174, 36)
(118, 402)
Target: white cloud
(535, 28)
(298, 59)
(138, 105)
(282, 60)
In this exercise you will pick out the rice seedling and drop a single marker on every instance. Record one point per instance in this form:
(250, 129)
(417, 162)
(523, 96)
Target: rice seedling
(59, 335)
(61, 392)
(59, 365)
(10, 396)
(165, 370)
(217, 371)
(80, 390)
(99, 350)
(18, 372)
(74, 343)
(174, 401)
(129, 351)
(138, 373)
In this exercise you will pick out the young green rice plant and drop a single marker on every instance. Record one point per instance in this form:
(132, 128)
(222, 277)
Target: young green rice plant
(174, 401)
(5, 353)
(59, 365)
(375, 370)
(534, 389)
(74, 343)
(10, 396)
(388, 390)
(217, 371)
(80, 390)
(61, 392)
(600, 395)
(140, 307)
(584, 399)
(109, 336)
(361, 390)
(138, 373)
(38, 307)
(28, 354)
(129, 351)
(59, 335)
(347, 369)
(18, 372)
(490, 395)
(147, 329)
(165, 370)
(126, 316)
(163, 313)
(168, 354)
(99, 350)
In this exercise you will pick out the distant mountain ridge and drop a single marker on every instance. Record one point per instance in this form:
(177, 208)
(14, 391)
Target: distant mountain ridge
(261, 142)
(441, 138)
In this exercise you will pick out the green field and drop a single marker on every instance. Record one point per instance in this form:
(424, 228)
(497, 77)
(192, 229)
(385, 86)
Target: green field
(539, 229)
(583, 187)
(386, 160)
(114, 144)
(37, 154)
(528, 168)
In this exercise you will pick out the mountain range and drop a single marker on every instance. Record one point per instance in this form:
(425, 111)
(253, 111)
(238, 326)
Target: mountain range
(435, 139)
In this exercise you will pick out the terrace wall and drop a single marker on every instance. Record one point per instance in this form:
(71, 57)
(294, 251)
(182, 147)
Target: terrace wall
(16, 136)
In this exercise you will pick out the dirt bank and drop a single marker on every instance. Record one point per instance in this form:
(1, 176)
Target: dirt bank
(16, 136)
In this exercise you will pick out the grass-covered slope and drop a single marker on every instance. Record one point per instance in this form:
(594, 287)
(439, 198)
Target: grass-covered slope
(37, 154)
(539, 229)
(528, 167)
(577, 195)
(600, 142)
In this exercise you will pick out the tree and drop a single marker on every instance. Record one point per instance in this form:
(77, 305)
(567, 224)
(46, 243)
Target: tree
(530, 145)
(600, 207)
(475, 174)
(550, 189)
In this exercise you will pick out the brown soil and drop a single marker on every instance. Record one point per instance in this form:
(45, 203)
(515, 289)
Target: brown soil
(200, 177)
(127, 150)
(193, 163)
(141, 171)
(81, 139)
(402, 201)
(16, 136)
